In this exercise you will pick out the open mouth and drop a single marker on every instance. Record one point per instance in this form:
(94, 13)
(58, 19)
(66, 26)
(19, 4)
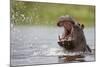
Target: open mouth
(68, 29)
(67, 41)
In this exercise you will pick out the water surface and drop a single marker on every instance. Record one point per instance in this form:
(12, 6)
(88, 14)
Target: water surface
(31, 45)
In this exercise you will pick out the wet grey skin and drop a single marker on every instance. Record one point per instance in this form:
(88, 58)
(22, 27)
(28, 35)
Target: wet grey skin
(73, 38)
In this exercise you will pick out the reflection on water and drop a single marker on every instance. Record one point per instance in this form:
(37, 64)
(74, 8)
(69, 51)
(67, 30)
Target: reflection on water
(38, 45)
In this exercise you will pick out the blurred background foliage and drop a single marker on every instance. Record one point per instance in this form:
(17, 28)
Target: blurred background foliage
(36, 13)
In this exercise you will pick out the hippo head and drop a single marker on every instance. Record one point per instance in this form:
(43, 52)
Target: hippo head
(67, 22)
(64, 19)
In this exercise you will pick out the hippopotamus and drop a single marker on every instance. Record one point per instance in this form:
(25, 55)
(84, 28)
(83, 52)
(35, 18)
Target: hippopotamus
(73, 38)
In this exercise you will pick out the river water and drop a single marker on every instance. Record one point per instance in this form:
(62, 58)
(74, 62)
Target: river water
(32, 45)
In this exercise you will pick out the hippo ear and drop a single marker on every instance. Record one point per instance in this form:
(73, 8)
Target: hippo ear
(82, 26)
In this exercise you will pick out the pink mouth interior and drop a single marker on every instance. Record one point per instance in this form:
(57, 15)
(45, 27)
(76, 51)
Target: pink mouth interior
(68, 28)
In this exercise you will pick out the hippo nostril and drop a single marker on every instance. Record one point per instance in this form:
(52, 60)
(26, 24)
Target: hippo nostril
(58, 24)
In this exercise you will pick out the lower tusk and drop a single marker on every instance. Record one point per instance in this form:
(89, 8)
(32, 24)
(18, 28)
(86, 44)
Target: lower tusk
(59, 38)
